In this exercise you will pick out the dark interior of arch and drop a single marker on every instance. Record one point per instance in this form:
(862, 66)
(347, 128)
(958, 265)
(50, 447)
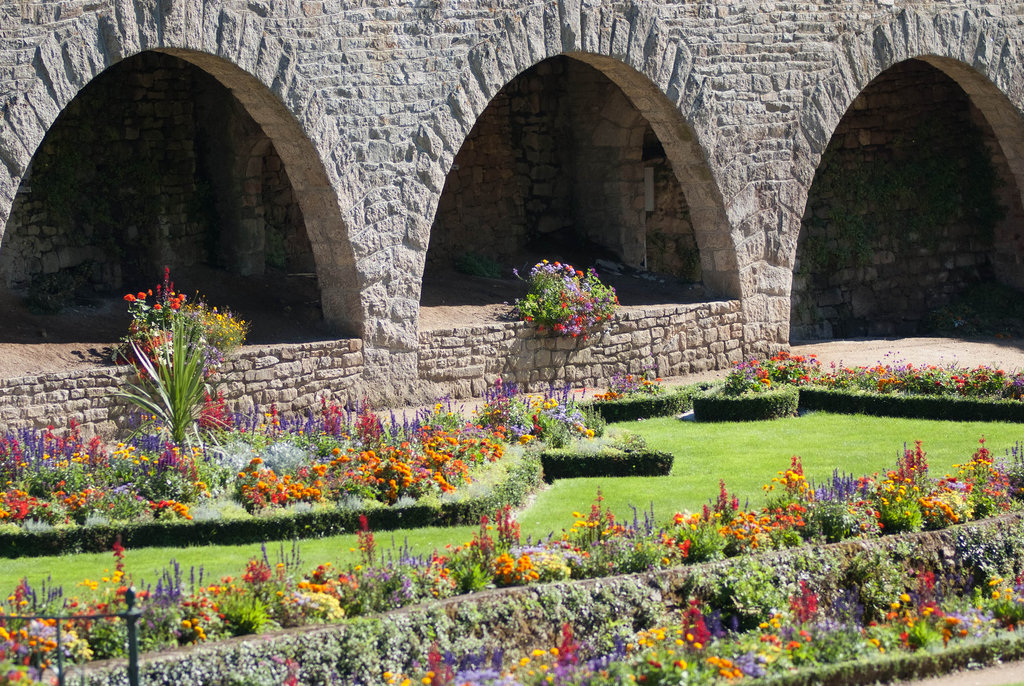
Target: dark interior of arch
(156, 164)
(561, 165)
(912, 205)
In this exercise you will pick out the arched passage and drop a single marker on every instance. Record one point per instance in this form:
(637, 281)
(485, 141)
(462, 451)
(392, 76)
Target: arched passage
(915, 200)
(179, 158)
(580, 157)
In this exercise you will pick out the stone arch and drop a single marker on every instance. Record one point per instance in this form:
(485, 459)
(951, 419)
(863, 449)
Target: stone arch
(649, 66)
(67, 64)
(962, 45)
(983, 62)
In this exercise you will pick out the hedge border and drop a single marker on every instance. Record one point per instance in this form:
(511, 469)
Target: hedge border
(566, 464)
(523, 477)
(365, 647)
(772, 404)
(910, 406)
(908, 667)
(633, 407)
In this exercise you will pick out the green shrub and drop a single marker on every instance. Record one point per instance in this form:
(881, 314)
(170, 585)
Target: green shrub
(631, 408)
(716, 407)
(610, 461)
(474, 264)
(911, 406)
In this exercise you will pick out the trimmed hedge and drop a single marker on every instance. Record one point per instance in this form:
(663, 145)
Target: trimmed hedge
(905, 667)
(522, 478)
(773, 404)
(566, 464)
(519, 620)
(911, 406)
(631, 408)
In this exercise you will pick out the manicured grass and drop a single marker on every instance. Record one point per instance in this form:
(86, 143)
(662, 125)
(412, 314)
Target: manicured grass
(146, 564)
(746, 455)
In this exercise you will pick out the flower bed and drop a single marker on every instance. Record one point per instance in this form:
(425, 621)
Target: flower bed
(455, 636)
(639, 396)
(265, 476)
(506, 483)
(893, 390)
(903, 500)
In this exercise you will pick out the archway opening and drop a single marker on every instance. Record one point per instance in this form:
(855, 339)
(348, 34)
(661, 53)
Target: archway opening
(913, 205)
(562, 165)
(156, 163)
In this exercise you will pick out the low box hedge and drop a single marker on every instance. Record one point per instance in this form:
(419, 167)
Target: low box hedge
(522, 477)
(568, 464)
(911, 406)
(632, 407)
(714, 406)
(518, 620)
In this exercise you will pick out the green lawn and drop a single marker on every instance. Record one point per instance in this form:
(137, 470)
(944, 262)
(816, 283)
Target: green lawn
(745, 455)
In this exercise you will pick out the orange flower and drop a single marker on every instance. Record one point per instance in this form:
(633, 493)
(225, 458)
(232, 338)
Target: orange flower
(157, 307)
(130, 298)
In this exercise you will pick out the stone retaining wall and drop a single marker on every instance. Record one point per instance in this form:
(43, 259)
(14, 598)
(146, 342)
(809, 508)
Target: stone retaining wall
(292, 376)
(678, 339)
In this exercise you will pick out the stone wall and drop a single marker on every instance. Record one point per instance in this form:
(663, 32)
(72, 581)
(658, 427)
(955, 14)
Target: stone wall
(368, 103)
(156, 164)
(678, 339)
(671, 246)
(113, 187)
(558, 156)
(294, 377)
(462, 363)
(904, 212)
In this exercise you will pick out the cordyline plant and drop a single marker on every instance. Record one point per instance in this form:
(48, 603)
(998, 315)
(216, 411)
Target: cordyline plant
(171, 392)
(565, 300)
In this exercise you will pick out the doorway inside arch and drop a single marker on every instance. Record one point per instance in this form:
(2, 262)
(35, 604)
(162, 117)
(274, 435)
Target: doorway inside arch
(156, 164)
(561, 165)
(913, 215)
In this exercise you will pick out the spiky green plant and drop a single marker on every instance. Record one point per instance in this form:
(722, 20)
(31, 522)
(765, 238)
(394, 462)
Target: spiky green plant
(171, 391)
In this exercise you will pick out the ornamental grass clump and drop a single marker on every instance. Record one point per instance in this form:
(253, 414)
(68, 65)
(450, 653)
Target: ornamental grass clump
(172, 390)
(565, 300)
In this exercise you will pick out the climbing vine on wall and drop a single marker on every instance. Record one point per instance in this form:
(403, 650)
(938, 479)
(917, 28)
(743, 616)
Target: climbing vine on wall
(930, 179)
(95, 201)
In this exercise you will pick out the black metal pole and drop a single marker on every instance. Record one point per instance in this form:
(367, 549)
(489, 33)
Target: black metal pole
(132, 616)
(60, 656)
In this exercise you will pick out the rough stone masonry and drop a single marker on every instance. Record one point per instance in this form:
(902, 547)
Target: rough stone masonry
(367, 103)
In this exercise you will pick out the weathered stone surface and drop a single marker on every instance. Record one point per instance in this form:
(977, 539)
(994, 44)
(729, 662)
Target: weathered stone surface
(368, 103)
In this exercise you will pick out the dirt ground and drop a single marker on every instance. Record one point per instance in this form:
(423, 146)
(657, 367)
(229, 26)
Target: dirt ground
(280, 309)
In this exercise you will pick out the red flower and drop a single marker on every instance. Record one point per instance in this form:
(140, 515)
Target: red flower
(157, 307)
(130, 298)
